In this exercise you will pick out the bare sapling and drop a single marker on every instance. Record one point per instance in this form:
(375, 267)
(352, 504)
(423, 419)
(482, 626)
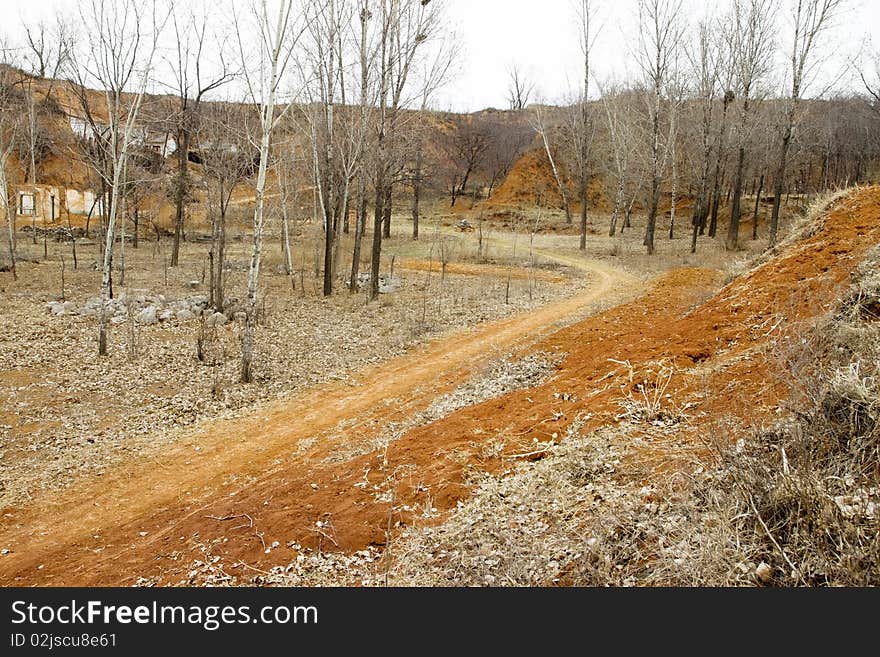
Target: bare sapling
(117, 61)
(276, 46)
(61, 257)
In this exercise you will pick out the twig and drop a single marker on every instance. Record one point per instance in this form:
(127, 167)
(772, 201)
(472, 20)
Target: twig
(526, 455)
(233, 517)
(388, 536)
(262, 572)
(249, 526)
(767, 531)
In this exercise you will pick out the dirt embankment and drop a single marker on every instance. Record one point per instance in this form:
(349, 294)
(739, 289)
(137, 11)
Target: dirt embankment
(318, 472)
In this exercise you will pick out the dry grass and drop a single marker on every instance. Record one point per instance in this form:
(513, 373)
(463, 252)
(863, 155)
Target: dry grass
(798, 504)
(65, 412)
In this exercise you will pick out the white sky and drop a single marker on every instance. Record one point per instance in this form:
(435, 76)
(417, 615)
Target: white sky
(540, 36)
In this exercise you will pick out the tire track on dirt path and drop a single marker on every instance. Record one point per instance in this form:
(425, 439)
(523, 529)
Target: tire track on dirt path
(143, 515)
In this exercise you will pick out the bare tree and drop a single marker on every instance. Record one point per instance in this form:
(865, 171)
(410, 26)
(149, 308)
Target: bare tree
(191, 84)
(621, 142)
(580, 118)
(509, 135)
(519, 89)
(752, 29)
(660, 36)
(228, 158)
(721, 138)
(48, 47)
(404, 26)
(704, 61)
(466, 146)
(540, 125)
(276, 42)
(435, 74)
(324, 85)
(119, 60)
(366, 59)
(810, 19)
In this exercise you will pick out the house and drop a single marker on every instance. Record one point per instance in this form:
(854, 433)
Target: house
(83, 129)
(47, 203)
(41, 202)
(160, 142)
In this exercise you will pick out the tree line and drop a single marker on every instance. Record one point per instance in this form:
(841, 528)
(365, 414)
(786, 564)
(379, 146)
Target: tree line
(336, 99)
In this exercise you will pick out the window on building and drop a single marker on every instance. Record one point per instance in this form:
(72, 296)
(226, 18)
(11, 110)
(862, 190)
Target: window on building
(26, 203)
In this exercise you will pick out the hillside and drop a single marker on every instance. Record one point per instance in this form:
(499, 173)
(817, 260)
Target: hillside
(692, 432)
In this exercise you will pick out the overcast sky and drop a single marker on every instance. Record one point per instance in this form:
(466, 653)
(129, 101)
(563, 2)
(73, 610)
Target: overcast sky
(541, 38)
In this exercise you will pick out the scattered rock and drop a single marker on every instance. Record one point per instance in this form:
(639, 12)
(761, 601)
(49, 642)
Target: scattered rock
(147, 316)
(60, 309)
(217, 319)
(185, 315)
(764, 573)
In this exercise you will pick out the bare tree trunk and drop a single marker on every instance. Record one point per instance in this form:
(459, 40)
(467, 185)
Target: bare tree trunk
(757, 205)
(716, 202)
(285, 240)
(673, 193)
(135, 221)
(10, 212)
(386, 216)
(417, 190)
(376, 254)
(698, 219)
(583, 200)
(559, 184)
(618, 204)
(779, 182)
(343, 221)
(360, 224)
(107, 270)
(180, 193)
(732, 242)
(330, 222)
(220, 263)
(122, 212)
(217, 253)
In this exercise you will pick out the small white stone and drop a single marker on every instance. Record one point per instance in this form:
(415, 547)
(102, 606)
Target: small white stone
(764, 573)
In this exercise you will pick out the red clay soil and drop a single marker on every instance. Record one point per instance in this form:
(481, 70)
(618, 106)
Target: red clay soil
(530, 182)
(237, 500)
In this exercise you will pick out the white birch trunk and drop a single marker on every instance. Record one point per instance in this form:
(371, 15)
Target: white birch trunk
(7, 208)
(267, 121)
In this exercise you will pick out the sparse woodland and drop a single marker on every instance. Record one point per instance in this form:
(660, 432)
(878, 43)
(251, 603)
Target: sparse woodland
(207, 212)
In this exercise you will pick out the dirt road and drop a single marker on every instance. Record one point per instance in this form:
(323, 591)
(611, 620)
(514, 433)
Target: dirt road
(240, 486)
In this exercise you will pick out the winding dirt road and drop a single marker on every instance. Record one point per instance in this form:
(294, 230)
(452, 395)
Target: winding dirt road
(276, 471)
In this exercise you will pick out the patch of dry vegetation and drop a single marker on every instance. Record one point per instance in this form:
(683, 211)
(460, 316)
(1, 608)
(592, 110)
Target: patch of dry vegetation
(66, 412)
(796, 505)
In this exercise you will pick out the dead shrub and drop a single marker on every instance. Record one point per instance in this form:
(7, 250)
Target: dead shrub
(807, 493)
